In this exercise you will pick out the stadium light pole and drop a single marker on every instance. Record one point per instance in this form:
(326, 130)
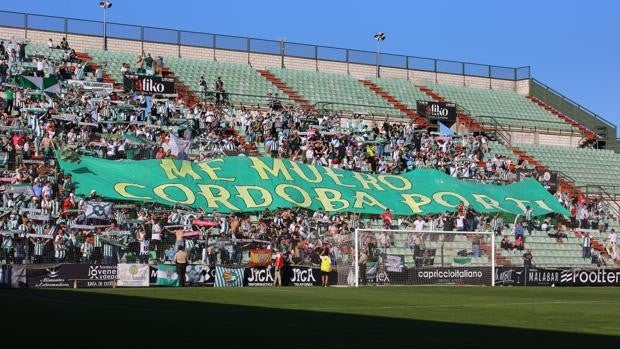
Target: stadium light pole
(105, 5)
(379, 37)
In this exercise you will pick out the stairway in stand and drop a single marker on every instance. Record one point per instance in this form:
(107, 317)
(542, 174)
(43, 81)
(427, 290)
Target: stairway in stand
(499, 259)
(189, 96)
(564, 185)
(83, 56)
(282, 86)
(597, 246)
(462, 117)
(419, 120)
(589, 134)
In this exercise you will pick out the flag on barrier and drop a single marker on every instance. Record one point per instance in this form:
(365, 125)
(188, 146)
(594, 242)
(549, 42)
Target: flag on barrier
(167, 275)
(229, 277)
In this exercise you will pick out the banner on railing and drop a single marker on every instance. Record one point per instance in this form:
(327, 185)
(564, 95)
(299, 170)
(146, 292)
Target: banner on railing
(133, 275)
(547, 178)
(251, 184)
(443, 112)
(70, 275)
(92, 85)
(149, 84)
(229, 277)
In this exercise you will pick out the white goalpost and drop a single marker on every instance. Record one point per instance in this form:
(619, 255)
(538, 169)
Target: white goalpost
(410, 257)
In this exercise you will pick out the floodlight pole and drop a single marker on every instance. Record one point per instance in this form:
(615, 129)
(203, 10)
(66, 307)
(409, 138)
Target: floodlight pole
(378, 55)
(105, 5)
(379, 37)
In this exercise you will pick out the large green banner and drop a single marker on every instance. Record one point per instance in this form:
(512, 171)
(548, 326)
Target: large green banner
(246, 184)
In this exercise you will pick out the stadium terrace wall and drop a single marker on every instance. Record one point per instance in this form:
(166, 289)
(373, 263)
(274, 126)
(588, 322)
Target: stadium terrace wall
(602, 127)
(263, 54)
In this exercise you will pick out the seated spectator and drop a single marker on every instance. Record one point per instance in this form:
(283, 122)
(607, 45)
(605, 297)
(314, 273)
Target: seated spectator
(519, 243)
(519, 230)
(506, 244)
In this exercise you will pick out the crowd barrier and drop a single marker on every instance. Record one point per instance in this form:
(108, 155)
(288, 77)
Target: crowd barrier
(165, 275)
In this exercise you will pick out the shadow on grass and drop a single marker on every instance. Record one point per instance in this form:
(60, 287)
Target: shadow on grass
(56, 318)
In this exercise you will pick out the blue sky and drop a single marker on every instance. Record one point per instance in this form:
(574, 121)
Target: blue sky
(573, 46)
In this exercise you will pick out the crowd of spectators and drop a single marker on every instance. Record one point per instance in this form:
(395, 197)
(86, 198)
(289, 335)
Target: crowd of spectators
(43, 220)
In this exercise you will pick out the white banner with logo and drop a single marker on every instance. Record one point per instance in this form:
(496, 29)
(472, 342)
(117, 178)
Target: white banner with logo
(92, 85)
(133, 275)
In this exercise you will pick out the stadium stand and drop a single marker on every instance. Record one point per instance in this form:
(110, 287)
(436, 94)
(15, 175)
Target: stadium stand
(233, 130)
(242, 82)
(508, 108)
(585, 166)
(335, 91)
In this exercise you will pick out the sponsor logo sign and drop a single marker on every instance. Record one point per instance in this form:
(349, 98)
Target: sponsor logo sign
(452, 276)
(257, 277)
(443, 112)
(133, 275)
(149, 84)
(65, 275)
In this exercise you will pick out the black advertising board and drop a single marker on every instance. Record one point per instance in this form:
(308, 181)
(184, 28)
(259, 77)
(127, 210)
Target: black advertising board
(259, 276)
(148, 84)
(450, 276)
(444, 112)
(519, 276)
(65, 275)
(547, 178)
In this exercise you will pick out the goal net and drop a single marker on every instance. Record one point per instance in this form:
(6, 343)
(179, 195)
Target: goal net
(408, 257)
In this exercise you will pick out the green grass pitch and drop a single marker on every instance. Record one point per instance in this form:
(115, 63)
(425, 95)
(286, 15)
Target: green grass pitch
(367, 317)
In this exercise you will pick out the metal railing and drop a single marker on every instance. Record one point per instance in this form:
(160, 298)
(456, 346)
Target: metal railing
(317, 53)
(567, 105)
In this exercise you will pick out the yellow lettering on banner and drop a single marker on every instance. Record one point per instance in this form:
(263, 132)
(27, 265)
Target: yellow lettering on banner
(362, 198)
(439, 197)
(520, 203)
(328, 202)
(297, 169)
(405, 184)
(336, 177)
(223, 196)
(487, 202)
(281, 191)
(244, 194)
(121, 189)
(543, 205)
(368, 181)
(173, 172)
(210, 171)
(160, 191)
(278, 168)
(409, 200)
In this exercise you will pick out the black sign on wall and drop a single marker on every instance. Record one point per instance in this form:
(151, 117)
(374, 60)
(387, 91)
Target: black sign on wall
(547, 178)
(444, 112)
(148, 84)
(64, 275)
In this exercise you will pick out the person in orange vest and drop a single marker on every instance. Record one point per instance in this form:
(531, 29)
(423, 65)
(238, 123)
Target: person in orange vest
(278, 263)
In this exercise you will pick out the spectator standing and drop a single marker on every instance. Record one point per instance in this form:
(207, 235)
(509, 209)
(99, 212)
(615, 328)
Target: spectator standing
(363, 261)
(528, 219)
(527, 259)
(180, 259)
(610, 247)
(586, 241)
(326, 267)
(278, 264)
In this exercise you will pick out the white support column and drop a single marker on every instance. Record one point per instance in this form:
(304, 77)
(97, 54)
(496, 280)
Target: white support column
(493, 259)
(357, 254)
